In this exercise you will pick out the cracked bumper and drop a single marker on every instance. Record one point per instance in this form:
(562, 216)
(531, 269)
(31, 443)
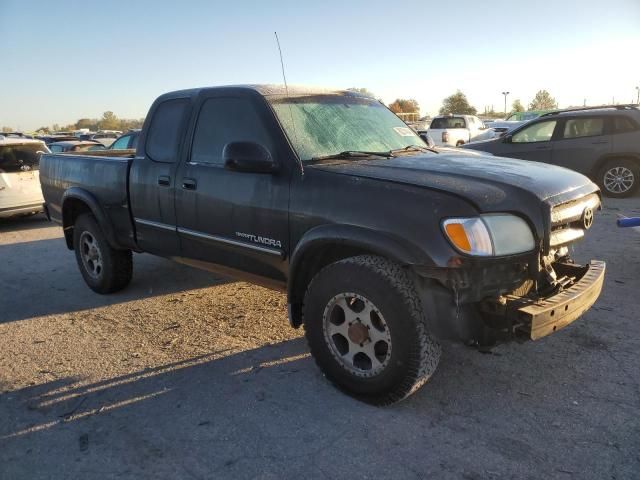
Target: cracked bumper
(553, 313)
(537, 318)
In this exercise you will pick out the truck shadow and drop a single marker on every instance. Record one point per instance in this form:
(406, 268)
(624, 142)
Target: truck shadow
(41, 277)
(210, 411)
(269, 413)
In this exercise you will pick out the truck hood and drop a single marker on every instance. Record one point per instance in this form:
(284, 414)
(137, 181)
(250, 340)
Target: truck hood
(491, 183)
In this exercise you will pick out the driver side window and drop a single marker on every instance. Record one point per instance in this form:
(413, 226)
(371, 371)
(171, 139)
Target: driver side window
(540, 132)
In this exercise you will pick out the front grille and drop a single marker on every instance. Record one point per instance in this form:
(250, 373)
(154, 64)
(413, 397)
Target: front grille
(567, 220)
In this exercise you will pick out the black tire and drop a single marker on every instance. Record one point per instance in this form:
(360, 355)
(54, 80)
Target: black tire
(413, 355)
(621, 168)
(116, 266)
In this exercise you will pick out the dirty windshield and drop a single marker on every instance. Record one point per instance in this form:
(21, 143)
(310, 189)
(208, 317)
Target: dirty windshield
(20, 158)
(324, 125)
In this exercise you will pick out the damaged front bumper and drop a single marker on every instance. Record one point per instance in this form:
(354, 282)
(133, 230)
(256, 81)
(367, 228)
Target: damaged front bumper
(534, 318)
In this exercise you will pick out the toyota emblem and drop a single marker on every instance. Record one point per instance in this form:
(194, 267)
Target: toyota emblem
(587, 218)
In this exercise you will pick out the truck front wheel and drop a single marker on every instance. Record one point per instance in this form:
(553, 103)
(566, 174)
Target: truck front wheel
(366, 330)
(104, 269)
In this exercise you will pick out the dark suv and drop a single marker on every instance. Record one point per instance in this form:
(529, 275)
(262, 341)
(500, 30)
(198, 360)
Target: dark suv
(601, 142)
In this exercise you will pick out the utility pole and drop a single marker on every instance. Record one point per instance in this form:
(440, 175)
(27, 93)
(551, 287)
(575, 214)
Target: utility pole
(638, 95)
(505, 101)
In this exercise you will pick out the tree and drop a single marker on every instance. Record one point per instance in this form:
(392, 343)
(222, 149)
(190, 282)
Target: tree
(404, 105)
(7, 129)
(517, 106)
(543, 101)
(458, 104)
(109, 121)
(364, 91)
(91, 124)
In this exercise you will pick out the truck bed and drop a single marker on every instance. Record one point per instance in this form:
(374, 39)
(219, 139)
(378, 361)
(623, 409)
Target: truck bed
(105, 178)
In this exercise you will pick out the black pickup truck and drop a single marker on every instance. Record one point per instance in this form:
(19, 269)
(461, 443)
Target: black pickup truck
(382, 245)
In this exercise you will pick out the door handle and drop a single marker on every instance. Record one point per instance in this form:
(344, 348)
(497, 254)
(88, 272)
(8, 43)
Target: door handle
(189, 184)
(599, 143)
(543, 148)
(164, 180)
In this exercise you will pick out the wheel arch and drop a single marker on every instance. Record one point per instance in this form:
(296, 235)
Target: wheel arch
(77, 201)
(597, 166)
(327, 244)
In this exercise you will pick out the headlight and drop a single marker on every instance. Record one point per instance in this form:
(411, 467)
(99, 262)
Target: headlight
(490, 235)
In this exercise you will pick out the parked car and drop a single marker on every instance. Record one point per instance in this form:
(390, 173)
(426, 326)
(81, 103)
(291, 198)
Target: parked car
(20, 191)
(600, 142)
(49, 139)
(381, 245)
(15, 135)
(438, 149)
(76, 146)
(456, 130)
(128, 141)
(526, 116)
(105, 138)
(502, 127)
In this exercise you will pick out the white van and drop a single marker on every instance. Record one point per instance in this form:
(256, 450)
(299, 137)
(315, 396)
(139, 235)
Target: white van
(20, 191)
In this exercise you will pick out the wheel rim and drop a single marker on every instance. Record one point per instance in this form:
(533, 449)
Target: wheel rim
(619, 179)
(357, 334)
(91, 255)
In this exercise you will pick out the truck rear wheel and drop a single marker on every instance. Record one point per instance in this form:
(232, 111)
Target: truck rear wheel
(104, 269)
(366, 330)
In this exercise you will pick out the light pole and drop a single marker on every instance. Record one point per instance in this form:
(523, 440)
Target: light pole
(505, 101)
(638, 95)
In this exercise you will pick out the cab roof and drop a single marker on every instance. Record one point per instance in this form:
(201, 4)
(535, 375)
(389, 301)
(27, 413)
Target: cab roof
(267, 90)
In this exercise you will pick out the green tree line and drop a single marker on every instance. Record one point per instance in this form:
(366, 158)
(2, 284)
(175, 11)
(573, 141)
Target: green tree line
(108, 121)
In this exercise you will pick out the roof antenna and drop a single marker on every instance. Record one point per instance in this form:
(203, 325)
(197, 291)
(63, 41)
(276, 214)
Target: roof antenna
(286, 89)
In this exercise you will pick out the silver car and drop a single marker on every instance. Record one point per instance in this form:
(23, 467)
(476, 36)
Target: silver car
(20, 191)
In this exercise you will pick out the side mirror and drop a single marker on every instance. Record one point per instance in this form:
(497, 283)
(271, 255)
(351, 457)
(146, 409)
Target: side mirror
(507, 138)
(248, 157)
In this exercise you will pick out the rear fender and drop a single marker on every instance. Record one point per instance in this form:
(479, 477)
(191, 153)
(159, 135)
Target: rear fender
(76, 201)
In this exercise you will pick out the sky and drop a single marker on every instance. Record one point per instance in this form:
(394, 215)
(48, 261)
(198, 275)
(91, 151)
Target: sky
(64, 60)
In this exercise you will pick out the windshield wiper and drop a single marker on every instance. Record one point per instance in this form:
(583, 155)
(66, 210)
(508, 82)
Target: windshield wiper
(353, 154)
(413, 148)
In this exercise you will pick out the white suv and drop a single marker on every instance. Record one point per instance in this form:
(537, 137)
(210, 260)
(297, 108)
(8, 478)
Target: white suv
(456, 130)
(20, 191)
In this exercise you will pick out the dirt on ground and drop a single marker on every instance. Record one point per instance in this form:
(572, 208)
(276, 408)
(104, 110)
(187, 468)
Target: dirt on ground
(189, 375)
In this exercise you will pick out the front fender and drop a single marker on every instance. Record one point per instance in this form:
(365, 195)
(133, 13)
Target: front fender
(352, 238)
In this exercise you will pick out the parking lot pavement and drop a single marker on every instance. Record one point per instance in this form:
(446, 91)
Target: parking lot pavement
(186, 375)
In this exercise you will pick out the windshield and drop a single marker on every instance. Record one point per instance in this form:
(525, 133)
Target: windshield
(323, 125)
(20, 158)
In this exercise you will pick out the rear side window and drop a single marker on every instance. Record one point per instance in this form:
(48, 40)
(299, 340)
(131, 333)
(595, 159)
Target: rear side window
(583, 127)
(224, 120)
(623, 125)
(448, 122)
(164, 132)
(20, 158)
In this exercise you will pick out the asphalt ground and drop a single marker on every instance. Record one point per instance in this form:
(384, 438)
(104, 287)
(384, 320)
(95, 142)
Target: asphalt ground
(188, 375)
